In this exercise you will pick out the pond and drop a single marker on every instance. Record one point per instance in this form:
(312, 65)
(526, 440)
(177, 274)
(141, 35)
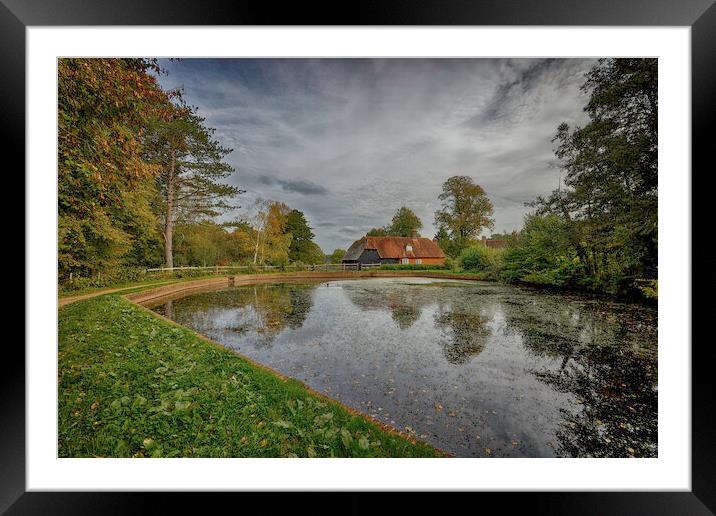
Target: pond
(477, 369)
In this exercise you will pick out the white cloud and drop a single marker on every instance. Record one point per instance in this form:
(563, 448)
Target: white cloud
(348, 141)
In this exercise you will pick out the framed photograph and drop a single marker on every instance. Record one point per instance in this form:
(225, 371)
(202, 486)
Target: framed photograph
(435, 246)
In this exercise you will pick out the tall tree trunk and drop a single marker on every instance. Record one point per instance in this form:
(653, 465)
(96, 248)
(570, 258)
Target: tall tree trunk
(169, 225)
(258, 239)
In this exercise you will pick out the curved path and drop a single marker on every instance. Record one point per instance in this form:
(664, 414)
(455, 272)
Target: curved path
(62, 301)
(165, 288)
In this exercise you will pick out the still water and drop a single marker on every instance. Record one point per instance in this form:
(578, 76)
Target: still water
(475, 368)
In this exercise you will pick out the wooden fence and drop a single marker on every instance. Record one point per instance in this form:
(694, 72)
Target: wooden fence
(323, 267)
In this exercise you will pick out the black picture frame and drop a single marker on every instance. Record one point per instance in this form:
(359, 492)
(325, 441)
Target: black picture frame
(700, 15)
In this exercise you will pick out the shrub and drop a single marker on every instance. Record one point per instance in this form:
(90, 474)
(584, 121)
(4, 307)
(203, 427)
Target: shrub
(451, 264)
(298, 265)
(107, 279)
(648, 288)
(482, 259)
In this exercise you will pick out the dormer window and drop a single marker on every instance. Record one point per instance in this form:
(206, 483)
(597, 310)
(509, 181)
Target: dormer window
(409, 248)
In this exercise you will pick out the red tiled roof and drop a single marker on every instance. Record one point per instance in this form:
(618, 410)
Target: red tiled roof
(396, 247)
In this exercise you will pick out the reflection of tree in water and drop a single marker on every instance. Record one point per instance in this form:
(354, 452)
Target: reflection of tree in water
(466, 333)
(301, 300)
(618, 392)
(267, 309)
(277, 307)
(405, 315)
(608, 365)
(404, 302)
(465, 330)
(169, 309)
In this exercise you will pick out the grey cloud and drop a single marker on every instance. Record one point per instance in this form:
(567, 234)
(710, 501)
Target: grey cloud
(299, 186)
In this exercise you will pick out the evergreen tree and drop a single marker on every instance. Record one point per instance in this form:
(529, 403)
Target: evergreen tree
(302, 248)
(192, 164)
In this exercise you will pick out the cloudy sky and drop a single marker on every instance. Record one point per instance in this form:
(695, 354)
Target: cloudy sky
(349, 141)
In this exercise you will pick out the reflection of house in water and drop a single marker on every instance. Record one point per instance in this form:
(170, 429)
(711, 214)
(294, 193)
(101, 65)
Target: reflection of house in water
(464, 329)
(404, 304)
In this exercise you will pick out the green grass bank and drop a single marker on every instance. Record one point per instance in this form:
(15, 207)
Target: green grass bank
(131, 384)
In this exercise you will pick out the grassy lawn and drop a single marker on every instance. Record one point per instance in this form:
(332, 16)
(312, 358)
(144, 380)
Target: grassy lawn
(133, 385)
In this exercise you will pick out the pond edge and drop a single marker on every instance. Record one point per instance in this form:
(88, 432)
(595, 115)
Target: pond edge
(153, 296)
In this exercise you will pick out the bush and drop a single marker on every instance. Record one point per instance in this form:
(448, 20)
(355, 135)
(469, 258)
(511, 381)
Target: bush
(451, 264)
(107, 279)
(648, 288)
(298, 265)
(482, 259)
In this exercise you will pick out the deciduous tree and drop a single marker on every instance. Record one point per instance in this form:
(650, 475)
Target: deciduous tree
(466, 211)
(404, 222)
(104, 185)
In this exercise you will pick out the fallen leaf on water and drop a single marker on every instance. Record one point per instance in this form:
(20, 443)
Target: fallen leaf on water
(438, 407)
(488, 451)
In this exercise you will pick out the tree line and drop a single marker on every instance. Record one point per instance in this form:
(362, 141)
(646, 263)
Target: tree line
(599, 230)
(141, 180)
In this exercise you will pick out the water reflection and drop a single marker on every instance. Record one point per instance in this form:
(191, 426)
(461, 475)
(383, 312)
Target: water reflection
(478, 369)
(405, 306)
(263, 309)
(465, 333)
(609, 369)
(464, 329)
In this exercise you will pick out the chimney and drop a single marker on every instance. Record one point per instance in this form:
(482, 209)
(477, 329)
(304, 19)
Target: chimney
(414, 233)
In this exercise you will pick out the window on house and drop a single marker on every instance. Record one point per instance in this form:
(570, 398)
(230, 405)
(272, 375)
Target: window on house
(418, 260)
(409, 248)
(405, 261)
